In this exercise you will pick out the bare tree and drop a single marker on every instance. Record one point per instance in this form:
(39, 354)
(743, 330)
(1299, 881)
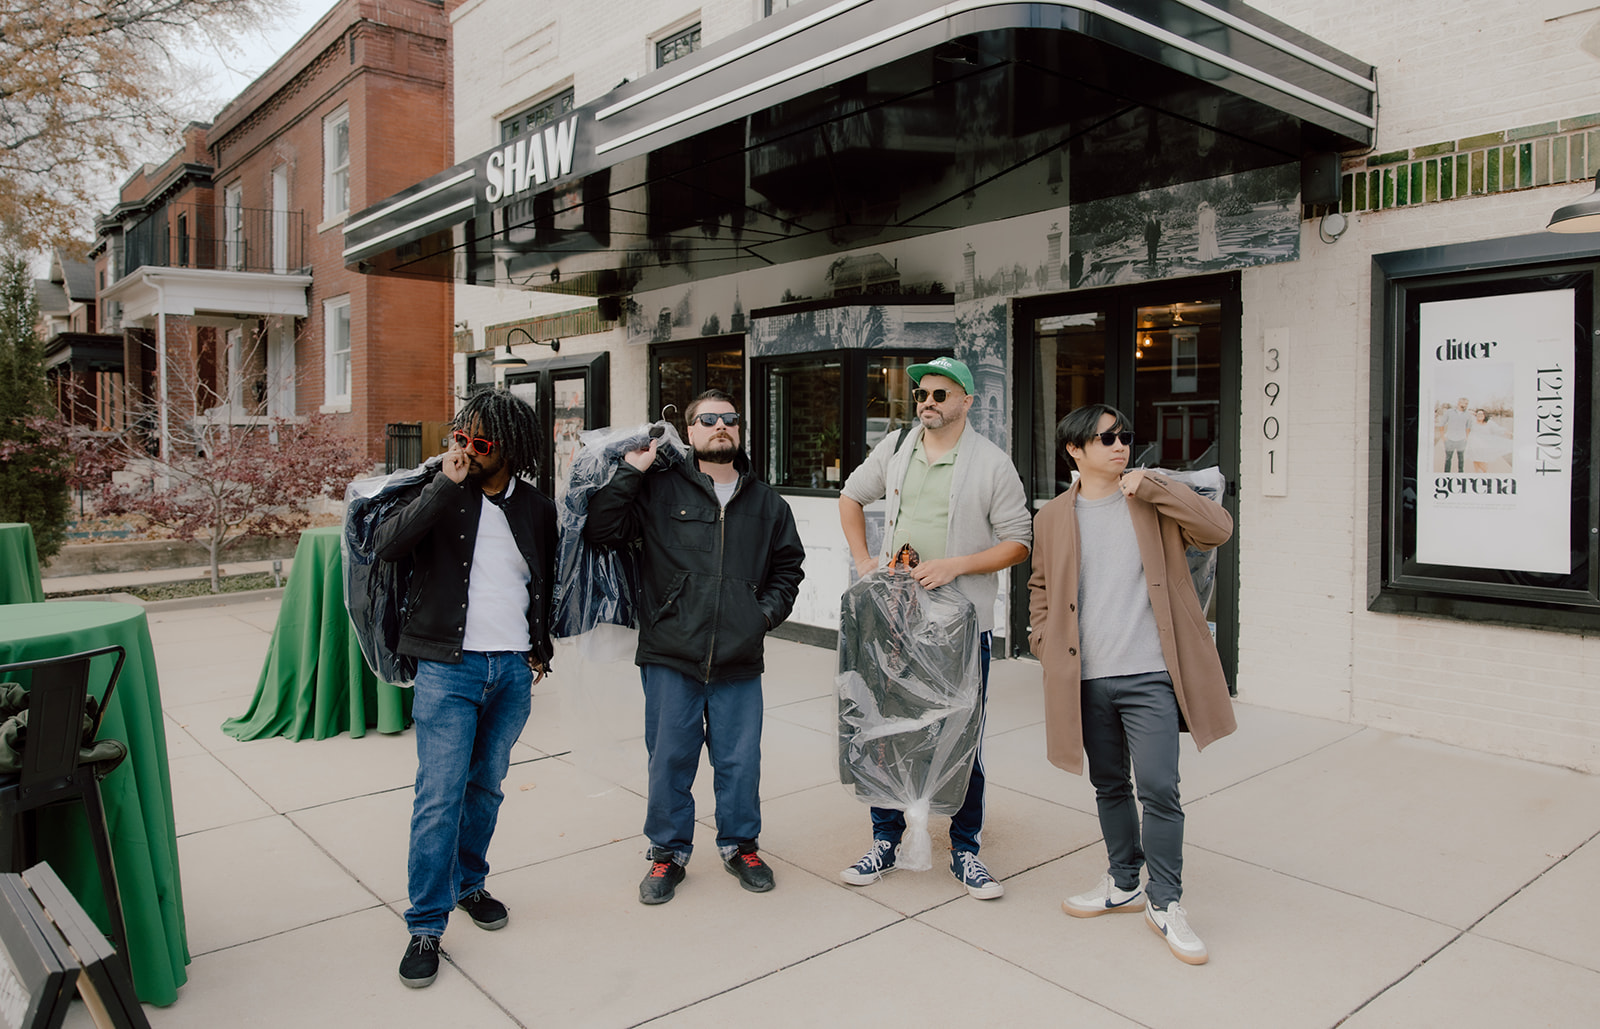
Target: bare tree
(84, 84)
(228, 474)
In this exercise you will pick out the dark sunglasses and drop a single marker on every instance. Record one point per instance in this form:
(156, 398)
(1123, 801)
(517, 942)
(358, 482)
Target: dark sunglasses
(708, 418)
(473, 444)
(939, 395)
(1108, 438)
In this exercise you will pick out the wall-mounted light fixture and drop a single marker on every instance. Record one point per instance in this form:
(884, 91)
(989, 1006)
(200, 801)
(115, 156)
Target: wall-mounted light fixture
(1583, 216)
(510, 360)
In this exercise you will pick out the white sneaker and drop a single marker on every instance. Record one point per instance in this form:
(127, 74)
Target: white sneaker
(1103, 899)
(874, 865)
(1173, 926)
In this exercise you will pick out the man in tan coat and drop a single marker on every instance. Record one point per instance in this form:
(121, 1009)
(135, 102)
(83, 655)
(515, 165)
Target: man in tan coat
(1128, 659)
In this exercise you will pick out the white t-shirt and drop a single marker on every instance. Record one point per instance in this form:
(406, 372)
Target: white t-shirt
(497, 592)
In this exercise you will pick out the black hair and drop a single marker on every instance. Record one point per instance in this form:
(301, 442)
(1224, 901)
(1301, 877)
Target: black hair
(710, 394)
(1083, 424)
(510, 422)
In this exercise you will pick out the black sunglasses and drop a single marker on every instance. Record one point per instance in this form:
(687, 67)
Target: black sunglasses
(709, 418)
(1108, 438)
(938, 395)
(475, 444)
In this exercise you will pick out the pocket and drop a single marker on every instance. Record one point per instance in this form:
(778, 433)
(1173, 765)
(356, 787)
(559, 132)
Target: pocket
(743, 623)
(691, 528)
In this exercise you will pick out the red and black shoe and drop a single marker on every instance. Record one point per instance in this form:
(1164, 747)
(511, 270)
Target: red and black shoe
(754, 874)
(663, 879)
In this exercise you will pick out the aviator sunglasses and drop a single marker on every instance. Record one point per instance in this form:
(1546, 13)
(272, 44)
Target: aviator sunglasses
(1108, 438)
(710, 418)
(922, 395)
(473, 444)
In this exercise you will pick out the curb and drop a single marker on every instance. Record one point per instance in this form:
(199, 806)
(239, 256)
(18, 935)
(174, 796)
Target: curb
(213, 600)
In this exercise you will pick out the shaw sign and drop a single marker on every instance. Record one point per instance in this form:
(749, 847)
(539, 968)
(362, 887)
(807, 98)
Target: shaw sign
(530, 161)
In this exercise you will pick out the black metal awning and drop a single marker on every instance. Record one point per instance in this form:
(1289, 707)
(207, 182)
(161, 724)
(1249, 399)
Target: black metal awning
(835, 125)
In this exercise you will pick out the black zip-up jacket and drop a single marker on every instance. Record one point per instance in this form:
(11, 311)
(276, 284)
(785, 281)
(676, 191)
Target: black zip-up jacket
(437, 524)
(715, 580)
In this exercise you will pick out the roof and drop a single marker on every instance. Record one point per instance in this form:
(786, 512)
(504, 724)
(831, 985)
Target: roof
(76, 276)
(52, 298)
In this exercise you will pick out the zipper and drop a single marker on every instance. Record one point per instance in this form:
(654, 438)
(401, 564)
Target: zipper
(722, 550)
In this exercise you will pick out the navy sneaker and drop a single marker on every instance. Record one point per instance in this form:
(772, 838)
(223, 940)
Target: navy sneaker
(486, 912)
(662, 880)
(964, 865)
(754, 874)
(874, 865)
(420, 966)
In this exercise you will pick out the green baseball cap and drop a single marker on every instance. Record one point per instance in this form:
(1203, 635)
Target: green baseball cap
(949, 367)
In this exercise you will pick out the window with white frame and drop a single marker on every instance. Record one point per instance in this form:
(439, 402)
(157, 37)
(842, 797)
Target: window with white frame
(541, 113)
(680, 44)
(336, 335)
(336, 164)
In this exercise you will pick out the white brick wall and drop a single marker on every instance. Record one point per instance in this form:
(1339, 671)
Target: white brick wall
(1307, 642)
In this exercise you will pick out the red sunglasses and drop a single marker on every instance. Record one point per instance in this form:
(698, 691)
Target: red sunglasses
(474, 444)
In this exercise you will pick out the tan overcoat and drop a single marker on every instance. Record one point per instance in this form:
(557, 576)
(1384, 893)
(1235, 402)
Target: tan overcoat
(1168, 518)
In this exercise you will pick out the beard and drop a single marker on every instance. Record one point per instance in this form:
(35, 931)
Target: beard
(720, 450)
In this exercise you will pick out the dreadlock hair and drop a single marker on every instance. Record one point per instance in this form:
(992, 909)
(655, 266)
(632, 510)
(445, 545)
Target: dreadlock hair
(710, 394)
(510, 422)
(1083, 423)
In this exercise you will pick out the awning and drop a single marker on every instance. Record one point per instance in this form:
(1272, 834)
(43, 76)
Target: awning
(835, 125)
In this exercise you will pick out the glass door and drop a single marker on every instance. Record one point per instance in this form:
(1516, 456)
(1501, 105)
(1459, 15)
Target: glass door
(1165, 354)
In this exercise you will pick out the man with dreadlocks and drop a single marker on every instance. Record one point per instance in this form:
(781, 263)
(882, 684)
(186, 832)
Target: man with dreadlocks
(477, 619)
(721, 569)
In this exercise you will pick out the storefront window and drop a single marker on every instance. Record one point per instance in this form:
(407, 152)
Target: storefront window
(824, 411)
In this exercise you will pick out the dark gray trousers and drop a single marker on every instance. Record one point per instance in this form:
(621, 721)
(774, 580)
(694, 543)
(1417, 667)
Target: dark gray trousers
(1130, 723)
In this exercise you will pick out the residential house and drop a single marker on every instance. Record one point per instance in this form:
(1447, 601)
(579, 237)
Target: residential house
(226, 263)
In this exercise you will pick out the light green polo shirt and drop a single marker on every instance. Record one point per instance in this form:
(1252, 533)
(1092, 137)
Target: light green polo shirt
(924, 519)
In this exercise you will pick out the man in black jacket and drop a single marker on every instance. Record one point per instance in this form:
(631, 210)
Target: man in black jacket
(721, 568)
(477, 618)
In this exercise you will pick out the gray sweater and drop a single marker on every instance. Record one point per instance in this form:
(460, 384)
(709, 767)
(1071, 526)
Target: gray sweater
(987, 504)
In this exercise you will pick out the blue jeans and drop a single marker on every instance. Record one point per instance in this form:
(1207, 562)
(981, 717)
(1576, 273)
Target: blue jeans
(467, 717)
(1130, 723)
(681, 715)
(966, 825)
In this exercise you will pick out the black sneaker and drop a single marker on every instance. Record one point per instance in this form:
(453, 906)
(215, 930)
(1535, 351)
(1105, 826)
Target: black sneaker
(754, 874)
(486, 912)
(420, 966)
(658, 886)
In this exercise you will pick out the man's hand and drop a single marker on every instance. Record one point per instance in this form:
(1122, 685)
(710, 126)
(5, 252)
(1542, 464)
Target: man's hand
(865, 566)
(455, 465)
(644, 457)
(1130, 482)
(939, 572)
(539, 671)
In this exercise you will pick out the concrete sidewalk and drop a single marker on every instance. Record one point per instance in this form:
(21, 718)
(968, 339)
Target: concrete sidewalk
(1339, 876)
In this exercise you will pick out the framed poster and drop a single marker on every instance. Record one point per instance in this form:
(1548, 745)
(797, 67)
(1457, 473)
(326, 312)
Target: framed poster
(1483, 401)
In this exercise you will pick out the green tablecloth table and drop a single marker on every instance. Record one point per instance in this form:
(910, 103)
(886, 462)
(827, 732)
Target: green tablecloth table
(19, 565)
(138, 795)
(315, 682)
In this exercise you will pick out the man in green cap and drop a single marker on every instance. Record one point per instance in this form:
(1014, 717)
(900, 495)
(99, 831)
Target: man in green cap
(956, 498)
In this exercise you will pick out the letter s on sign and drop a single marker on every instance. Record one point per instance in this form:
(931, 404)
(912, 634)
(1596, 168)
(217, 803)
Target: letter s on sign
(496, 180)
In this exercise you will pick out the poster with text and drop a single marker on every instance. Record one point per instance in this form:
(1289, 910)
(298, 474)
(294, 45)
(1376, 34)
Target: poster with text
(1494, 395)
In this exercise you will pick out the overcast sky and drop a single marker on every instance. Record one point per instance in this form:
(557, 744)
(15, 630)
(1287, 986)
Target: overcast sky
(231, 72)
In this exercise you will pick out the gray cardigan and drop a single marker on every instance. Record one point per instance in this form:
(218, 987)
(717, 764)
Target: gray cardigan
(987, 504)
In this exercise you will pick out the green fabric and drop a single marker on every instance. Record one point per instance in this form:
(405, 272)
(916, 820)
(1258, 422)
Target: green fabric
(19, 565)
(924, 520)
(14, 732)
(138, 795)
(315, 682)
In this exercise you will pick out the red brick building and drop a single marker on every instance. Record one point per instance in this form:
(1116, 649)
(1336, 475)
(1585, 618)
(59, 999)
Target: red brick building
(226, 261)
